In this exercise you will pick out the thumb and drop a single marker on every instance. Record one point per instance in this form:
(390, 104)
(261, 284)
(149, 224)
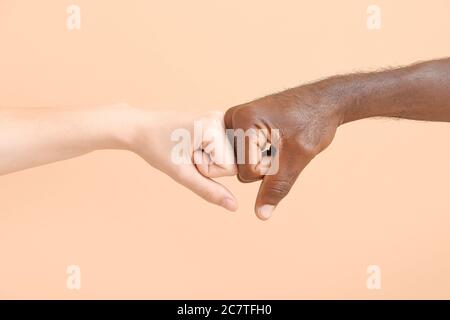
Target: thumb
(275, 187)
(207, 188)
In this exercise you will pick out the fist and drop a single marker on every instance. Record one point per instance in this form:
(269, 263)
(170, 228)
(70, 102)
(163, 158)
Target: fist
(305, 120)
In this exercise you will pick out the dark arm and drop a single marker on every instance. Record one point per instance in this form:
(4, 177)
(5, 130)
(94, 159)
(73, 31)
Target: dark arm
(308, 116)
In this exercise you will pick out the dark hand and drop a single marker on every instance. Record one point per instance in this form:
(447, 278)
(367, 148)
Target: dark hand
(307, 116)
(307, 120)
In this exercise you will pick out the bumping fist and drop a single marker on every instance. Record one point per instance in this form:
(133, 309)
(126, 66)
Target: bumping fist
(306, 121)
(190, 148)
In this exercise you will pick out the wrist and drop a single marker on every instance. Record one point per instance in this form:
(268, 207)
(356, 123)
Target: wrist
(122, 124)
(329, 96)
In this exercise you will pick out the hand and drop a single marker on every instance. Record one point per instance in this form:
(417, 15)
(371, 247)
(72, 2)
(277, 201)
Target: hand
(209, 157)
(308, 116)
(306, 119)
(32, 137)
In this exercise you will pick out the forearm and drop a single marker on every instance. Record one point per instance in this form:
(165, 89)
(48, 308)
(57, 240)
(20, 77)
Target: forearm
(420, 92)
(31, 137)
(307, 117)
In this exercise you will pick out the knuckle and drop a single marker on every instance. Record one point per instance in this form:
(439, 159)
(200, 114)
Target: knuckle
(279, 188)
(230, 170)
(307, 148)
(243, 115)
(246, 175)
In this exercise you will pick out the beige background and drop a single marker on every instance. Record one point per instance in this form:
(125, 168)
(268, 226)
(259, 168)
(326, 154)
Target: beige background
(378, 195)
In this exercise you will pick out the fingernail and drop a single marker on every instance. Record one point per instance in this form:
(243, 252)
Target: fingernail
(265, 211)
(229, 204)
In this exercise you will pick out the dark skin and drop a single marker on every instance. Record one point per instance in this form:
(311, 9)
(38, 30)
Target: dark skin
(308, 116)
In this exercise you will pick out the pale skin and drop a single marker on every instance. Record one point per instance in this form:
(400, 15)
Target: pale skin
(307, 118)
(32, 137)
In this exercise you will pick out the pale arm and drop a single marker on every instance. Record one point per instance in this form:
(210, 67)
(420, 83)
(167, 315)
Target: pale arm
(31, 137)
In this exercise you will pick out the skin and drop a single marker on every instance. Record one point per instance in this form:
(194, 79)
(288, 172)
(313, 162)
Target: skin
(308, 117)
(32, 137)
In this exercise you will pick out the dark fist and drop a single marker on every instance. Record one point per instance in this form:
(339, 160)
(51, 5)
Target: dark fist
(306, 119)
